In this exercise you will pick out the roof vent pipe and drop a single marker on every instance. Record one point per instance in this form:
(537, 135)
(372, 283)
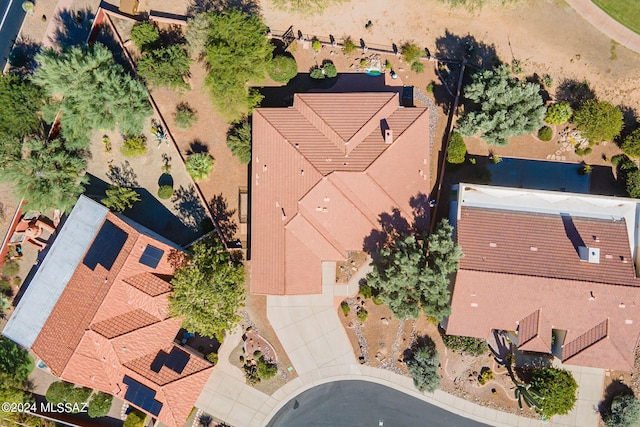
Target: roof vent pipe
(388, 136)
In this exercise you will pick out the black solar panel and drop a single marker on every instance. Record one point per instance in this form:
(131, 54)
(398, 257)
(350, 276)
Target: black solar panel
(151, 256)
(177, 360)
(106, 247)
(141, 396)
(159, 361)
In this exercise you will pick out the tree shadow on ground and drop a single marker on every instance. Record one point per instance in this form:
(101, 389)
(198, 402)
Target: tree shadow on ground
(106, 37)
(616, 388)
(420, 342)
(574, 92)
(251, 7)
(73, 26)
(421, 215)
(123, 175)
(198, 146)
(172, 36)
(22, 56)
(455, 47)
(224, 217)
(630, 121)
(189, 209)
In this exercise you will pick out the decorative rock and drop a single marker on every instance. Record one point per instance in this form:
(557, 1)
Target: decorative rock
(384, 321)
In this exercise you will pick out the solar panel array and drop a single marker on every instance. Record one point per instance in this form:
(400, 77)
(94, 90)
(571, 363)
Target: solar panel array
(105, 247)
(176, 360)
(141, 396)
(151, 256)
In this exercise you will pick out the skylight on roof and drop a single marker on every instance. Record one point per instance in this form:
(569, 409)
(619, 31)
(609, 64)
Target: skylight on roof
(151, 256)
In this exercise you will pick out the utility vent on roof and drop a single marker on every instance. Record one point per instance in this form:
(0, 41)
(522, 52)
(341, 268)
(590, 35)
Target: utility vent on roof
(533, 249)
(493, 245)
(590, 255)
(388, 136)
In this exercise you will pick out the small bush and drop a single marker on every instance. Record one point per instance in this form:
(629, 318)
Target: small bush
(625, 412)
(239, 140)
(410, 52)
(100, 404)
(558, 113)
(282, 68)
(516, 66)
(5, 285)
(631, 144)
(266, 370)
(495, 159)
(362, 315)
(545, 133)
(317, 74)
(387, 64)
(457, 149)
(466, 345)
(135, 419)
(199, 165)
(165, 192)
(615, 160)
(418, 67)
(213, 358)
(316, 45)
(583, 151)
(10, 268)
(363, 62)
(185, 116)
(365, 291)
(423, 367)
(585, 170)
(344, 306)
(348, 46)
(119, 199)
(134, 145)
(547, 80)
(144, 35)
(485, 376)
(430, 87)
(377, 300)
(330, 70)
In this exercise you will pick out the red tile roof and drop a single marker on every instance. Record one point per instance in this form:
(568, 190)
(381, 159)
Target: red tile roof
(108, 324)
(322, 174)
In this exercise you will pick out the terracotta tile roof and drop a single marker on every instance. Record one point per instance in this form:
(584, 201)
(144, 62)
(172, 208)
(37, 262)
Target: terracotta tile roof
(108, 324)
(149, 283)
(589, 338)
(534, 333)
(119, 325)
(299, 217)
(544, 245)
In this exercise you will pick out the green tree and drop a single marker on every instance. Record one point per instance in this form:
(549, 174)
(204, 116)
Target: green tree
(557, 389)
(632, 183)
(199, 165)
(15, 362)
(197, 34)
(418, 67)
(135, 419)
(423, 367)
(62, 391)
(209, 290)
(13, 392)
(598, 120)
(412, 273)
(10, 150)
(506, 107)
(98, 93)
(266, 370)
(348, 46)
(631, 144)
(282, 68)
(119, 199)
(48, 177)
(239, 140)
(317, 73)
(185, 116)
(558, 113)
(457, 150)
(100, 404)
(20, 103)
(410, 52)
(168, 66)
(144, 35)
(330, 70)
(625, 412)
(237, 52)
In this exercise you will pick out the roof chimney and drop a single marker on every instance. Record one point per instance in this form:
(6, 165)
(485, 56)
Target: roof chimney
(388, 136)
(590, 255)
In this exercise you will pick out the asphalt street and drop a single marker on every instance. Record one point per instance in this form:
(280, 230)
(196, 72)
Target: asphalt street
(366, 404)
(11, 17)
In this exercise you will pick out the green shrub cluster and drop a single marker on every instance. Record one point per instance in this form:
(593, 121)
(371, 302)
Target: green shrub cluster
(213, 358)
(411, 52)
(558, 113)
(165, 192)
(362, 315)
(365, 291)
(135, 419)
(185, 116)
(328, 70)
(465, 345)
(144, 35)
(199, 165)
(344, 306)
(545, 133)
(134, 145)
(100, 404)
(598, 121)
(631, 144)
(418, 67)
(486, 375)
(583, 151)
(282, 68)
(10, 268)
(423, 367)
(557, 389)
(457, 150)
(348, 46)
(624, 412)
(239, 140)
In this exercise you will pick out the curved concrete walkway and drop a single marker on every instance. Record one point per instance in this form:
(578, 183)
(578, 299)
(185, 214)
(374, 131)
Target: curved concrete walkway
(609, 26)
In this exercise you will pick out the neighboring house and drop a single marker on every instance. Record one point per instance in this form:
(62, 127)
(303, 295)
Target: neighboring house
(96, 313)
(323, 171)
(555, 270)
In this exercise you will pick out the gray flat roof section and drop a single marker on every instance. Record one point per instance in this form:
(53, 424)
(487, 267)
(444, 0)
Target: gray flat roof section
(44, 290)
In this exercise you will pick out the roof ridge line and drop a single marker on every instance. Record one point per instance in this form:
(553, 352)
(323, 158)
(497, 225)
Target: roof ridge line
(590, 345)
(309, 114)
(356, 138)
(387, 194)
(357, 205)
(317, 227)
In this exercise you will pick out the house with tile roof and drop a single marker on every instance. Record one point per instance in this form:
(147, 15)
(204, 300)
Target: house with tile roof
(557, 271)
(323, 171)
(96, 313)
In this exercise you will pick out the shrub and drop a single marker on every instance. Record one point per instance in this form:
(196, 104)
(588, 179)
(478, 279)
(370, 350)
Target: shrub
(348, 46)
(457, 149)
(62, 391)
(465, 345)
(423, 367)
(251, 374)
(134, 145)
(185, 116)
(632, 183)
(165, 192)
(99, 405)
(598, 120)
(239, 140)
(557, 389)
(135, 419)
(10, 268)
(266, 370)
(418, 67)
(516, 66)
(625, 412)
(316, 45)
(583, 151)
(585, 170)
(317, 73)
(631, 144)
(5, 305)
(430, 87)
(166, 67)
(119, 199)
(365, 290)
(213, 358)
(363, 62)
(5, 285)
(199, 166)
(495, 159)
(410, 52)
(545, 133)
(486, 375)
(330, 70)
(547, 80)
(377, 300)
(144, 35)
(558, 113)
(362, 315)
(387, 64)
(344, 306)
(615, 160)
(282, 68)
